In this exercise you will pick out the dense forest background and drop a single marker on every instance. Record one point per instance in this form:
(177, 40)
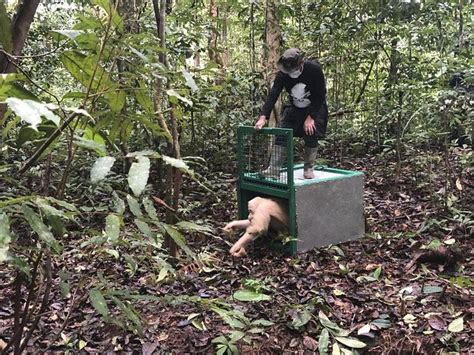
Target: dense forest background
(118, 161)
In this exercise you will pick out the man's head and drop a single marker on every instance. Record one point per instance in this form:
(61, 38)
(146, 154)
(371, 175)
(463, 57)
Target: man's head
(291, 62)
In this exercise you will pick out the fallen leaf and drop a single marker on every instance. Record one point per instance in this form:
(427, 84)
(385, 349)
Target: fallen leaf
(437, 322)
(456, 325)
(310, 343)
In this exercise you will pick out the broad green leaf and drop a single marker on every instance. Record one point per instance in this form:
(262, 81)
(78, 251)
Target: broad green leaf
(250, 296)
(48, 209)
(112, 227)
(178, 163)
(333, 327)
(336, 350)
(119, 204)
(138, 175)
(63, 204)
(262, 322)
(144, 153)
(377, 272)
(191, 226)
(351, 342)
(178, 238)
(456, 325)
(143, 97)
(382, 323)
(301, 318)
(98, 302)
(115, 100)
(82, 68)
(101, 168)
(113, 252)
(227, 316)
(323, 342)
(172, 93)
(111, 10)
(5, 29)
(40, 228)
(163, 273)
(5, 236)
(190, 80)
(9, 88)
(134, 206)
(91, 145)
(31, 111)
(364, 330)
(144, 228)
(150, 209)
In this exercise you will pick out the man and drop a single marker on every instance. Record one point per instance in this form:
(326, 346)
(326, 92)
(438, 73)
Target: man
(306, 113)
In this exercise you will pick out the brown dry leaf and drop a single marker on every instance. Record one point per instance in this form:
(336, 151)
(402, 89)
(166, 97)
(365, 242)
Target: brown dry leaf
(310, 343)
(437, 322)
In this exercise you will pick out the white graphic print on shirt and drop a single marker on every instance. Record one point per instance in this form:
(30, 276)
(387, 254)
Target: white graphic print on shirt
(300, 95)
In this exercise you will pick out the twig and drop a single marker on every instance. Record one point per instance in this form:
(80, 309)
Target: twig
(44, 303)
(35, 55)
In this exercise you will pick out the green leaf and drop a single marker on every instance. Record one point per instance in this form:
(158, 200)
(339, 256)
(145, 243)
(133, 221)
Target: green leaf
(5, 237)
(351, 342)
(250, 296)
(262, 322)
(64, 285)
(150, 209)
(116, 100)
(101, 168)
(8, 88)
(98, 302)
(138, 175)
(82, 68)
(48, 209)
(134, 206)
(119, 204)
(178, 164)
(112, 227)
(191, 226)
(456, 325)
(336, 350)
(172, 93)
(40, 228)
(110, 9)
(63, 204)
(91, 145)
(300, 319)
(323, 342)
(143, 98)
(178, 238)
(331, 326)
(31, 111)
(144, 228)
(377, 272)
(227, 316)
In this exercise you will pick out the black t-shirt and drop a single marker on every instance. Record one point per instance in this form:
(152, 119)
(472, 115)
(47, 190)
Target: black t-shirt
(308, 91)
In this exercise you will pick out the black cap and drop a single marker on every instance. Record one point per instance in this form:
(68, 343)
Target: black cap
(290, 60)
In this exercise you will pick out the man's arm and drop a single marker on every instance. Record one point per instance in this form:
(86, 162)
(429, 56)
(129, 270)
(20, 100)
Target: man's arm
(272, 97)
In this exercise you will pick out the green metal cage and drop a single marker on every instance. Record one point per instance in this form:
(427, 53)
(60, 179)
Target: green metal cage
(254, 154)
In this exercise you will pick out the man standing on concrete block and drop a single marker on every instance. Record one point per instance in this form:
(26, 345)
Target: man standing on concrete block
(306, 112)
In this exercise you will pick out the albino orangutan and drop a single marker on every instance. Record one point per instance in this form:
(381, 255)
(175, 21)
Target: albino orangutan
(264, 213)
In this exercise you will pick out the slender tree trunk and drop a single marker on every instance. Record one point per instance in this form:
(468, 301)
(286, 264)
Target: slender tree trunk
(272, 51)
(174, 176)
(213, 50)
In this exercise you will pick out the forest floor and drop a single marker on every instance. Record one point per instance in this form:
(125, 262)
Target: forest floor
(406, 287)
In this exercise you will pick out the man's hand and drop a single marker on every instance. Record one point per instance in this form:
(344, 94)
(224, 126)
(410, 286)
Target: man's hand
(309, 126)
(262, 120)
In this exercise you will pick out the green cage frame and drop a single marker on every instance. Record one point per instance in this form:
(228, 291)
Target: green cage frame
(250, 186)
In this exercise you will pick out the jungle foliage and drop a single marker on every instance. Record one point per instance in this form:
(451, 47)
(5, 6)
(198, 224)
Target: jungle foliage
(110, 109)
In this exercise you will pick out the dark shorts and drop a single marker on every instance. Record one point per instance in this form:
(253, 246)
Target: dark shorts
(293, 117)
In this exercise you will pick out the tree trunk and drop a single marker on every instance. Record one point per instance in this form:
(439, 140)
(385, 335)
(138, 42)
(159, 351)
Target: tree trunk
(173, 174)
(213, 50)
(19, 31)
(271, 53)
